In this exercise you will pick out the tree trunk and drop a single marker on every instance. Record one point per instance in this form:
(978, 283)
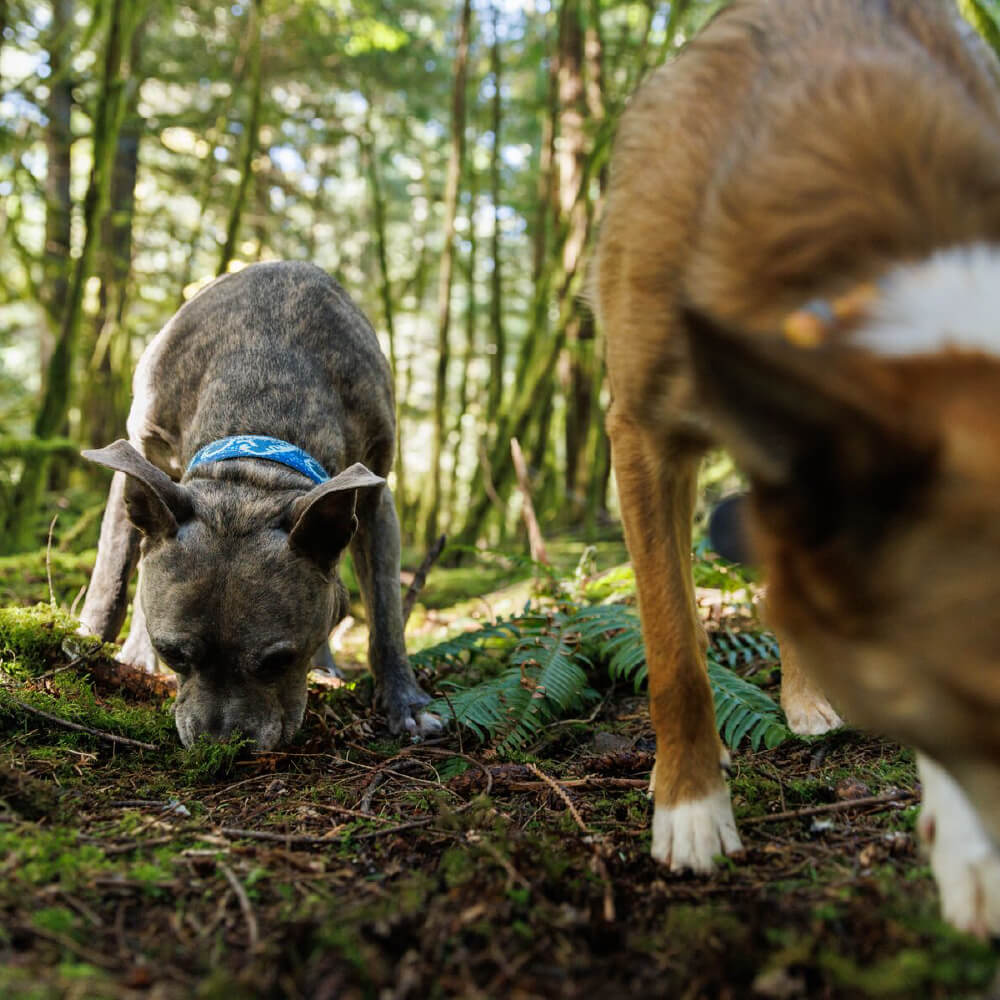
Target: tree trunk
(56, 259)
(250, 138)
(107, 391)
(56, 395)
(455, 162)
(370, 156)
(574, 98)
(499, 356)
(469, 353)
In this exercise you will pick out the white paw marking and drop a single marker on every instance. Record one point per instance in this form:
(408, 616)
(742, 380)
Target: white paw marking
(690, 835)
(425, 724)
(965, 862)
(810, 715)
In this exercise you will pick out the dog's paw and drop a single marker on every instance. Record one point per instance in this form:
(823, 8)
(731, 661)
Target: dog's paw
(690, 835)
(809, 713)
(420, 725)
(965, 863)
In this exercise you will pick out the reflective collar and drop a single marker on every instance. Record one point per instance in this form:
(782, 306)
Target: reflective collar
(254, 446)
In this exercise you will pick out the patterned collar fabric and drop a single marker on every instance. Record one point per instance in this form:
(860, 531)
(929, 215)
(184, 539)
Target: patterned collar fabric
(254, 446)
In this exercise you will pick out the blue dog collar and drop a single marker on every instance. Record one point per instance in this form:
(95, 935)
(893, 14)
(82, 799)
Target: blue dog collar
(254, 446)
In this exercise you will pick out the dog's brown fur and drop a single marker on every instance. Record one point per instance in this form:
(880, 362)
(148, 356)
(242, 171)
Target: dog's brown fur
(795, 149)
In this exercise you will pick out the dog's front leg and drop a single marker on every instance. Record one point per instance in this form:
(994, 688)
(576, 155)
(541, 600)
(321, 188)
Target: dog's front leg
(693, 819)
(375, 551)
(117, 553)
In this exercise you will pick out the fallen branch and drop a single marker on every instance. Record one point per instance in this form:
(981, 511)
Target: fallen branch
(869, 800)
(420, 577)
(100, 734)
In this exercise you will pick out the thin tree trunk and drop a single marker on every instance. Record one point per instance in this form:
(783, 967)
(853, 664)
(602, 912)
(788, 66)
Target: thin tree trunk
(573, 208)
(455, 161)
(469, 353)
(56, 260)
(250, 138)
(370, 155)
(56, 396)
(545, 187)
(499, 357)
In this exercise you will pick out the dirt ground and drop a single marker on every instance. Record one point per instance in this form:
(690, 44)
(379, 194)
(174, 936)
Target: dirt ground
(354, 865)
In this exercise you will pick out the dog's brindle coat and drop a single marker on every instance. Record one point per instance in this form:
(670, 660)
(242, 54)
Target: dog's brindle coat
(795, 149)
(238, 584)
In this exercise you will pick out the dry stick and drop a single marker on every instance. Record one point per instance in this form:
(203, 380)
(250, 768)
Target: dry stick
(87, 954)
(244, 901)
(599, 862)
(110, 737)
(870, 800)
(48, 562)
(281, 838)
(420, 577)
(535, 540)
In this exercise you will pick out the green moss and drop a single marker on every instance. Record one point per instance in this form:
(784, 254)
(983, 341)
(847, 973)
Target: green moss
(209, 760)
(34, 640)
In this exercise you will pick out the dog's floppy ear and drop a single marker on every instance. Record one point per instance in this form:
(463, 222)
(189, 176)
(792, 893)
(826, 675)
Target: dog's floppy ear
(156, 505)
(823, 432)
(323, 521)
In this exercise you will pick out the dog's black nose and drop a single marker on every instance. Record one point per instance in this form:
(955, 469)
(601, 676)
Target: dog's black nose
(727, 533)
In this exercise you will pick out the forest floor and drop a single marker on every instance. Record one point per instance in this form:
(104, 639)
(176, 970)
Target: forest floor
(355, 865)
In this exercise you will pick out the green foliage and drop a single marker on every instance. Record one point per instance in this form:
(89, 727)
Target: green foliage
(550, 656)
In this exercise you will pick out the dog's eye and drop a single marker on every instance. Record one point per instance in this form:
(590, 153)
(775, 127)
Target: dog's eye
(276, 661)
(178, 656)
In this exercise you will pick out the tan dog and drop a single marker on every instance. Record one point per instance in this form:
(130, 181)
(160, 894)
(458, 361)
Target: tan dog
(800, 259)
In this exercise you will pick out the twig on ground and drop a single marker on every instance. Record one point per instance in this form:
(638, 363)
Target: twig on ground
(869, 800)
(280, 838)
(109, 737)
(420, 577)
(600, 865)
(562, 793)
(244, 901)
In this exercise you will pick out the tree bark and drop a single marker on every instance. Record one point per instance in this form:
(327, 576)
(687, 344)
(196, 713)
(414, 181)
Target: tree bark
(250, 139)
(499, 357)
(370, 156)
(58, 383)
(56, 260)
(455, 162)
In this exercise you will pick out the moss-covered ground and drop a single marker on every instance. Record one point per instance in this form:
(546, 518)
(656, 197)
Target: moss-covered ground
(353, 865)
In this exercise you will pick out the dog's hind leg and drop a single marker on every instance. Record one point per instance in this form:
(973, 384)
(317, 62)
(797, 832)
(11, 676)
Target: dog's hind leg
(117, 553)
(693, 819)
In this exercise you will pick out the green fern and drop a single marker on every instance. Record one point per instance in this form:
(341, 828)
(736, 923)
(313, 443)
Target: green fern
(544, 682)
(549, 656)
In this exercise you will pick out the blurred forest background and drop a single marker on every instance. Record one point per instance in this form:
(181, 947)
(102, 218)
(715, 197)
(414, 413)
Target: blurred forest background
(444, 160)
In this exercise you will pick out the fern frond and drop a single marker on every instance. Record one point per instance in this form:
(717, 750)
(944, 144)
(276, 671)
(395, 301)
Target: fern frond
(742, 709)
